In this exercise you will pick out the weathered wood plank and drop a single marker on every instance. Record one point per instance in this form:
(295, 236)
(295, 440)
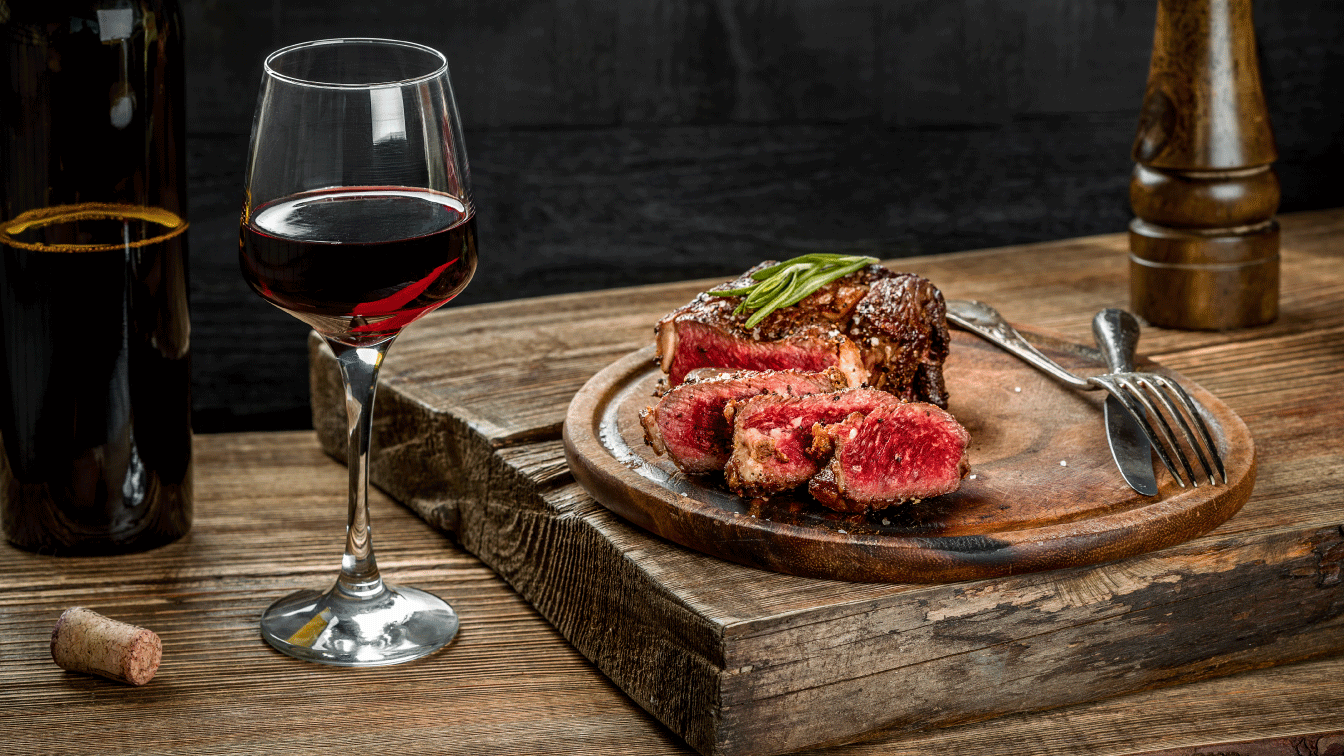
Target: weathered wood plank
(754, 662)
(270, 513)
(269, 508)
(597, 62)
(1151, 722)
(1318, 743)
(790, 650)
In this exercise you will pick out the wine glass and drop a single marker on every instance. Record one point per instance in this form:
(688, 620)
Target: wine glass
(357, 220)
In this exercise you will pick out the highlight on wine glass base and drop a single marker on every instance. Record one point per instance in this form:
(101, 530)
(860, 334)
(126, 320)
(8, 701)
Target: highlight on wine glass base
(358, 220)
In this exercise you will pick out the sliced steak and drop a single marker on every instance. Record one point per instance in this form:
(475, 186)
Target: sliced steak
(894, 454)
(688, 425)
(877, 327)
(813, 348)
(772, 435)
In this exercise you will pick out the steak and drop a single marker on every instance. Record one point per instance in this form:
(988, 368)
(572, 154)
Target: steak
(772, 436)
(894, 454)
(688, 424)
(902, 326)
(878, 328)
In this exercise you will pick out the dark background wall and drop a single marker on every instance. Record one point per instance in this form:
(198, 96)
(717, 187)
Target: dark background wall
(617, 142)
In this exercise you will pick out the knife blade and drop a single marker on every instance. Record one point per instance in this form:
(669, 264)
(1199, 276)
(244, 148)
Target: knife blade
(1117, 334)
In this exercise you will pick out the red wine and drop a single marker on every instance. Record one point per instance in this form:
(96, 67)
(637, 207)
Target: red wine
(358, 264)
(95, 410)
(95, 390)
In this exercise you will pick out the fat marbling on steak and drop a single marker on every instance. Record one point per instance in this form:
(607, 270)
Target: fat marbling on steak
(891, 455)
(880, 329)
(688, 424)
(772, 436)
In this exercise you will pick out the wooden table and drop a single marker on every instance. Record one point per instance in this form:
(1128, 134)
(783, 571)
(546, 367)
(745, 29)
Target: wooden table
(270, 508)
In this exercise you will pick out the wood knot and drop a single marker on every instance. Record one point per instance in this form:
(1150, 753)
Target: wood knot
(1157, 121)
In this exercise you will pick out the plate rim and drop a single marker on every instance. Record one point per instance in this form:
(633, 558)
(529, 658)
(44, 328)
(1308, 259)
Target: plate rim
(877, 558)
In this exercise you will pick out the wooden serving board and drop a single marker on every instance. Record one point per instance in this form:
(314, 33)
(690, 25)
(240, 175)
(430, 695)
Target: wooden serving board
(742, 661)
(1044, 492)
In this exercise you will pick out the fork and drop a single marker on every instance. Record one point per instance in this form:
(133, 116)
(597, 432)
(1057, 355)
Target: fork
(1140, 393)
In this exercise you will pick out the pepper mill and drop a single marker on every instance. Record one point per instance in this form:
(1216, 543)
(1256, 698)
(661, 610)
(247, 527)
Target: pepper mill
(1204, 249)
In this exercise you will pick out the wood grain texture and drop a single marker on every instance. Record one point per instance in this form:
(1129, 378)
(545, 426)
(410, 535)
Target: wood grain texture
(270, 514)
(269, 509)
(575, 63)
(1204, 107)
(1320, 744)
(737, 660)
(1043, 493)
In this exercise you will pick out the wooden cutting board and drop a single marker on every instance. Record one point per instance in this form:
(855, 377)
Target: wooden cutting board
(1044, 492)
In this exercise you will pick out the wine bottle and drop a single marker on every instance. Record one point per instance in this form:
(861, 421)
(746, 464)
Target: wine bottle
(95, 404)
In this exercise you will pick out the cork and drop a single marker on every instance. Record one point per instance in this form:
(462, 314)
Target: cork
(85, 641)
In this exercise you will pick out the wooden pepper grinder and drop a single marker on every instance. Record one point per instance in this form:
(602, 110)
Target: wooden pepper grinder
(1204, 249)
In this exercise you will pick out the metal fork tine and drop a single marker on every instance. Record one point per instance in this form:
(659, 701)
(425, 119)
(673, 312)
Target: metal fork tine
(1114, 388)
(1135, 389)
(1156, 388)
(1162, 389)
(1193, 409)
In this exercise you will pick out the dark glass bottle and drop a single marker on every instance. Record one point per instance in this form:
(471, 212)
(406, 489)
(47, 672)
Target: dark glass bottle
(95, 399)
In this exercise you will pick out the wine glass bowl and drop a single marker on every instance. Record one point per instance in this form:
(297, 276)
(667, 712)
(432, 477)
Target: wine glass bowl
(365, 287)
(358, 209)
(357, 220)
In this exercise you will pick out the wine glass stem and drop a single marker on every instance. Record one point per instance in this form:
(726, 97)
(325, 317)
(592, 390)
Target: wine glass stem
(359, 576)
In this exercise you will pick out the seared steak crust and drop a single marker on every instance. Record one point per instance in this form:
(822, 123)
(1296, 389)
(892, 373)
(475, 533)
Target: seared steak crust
(903, 324)
(879, 328)
(688, 424)
(772, 436)
(892, 455)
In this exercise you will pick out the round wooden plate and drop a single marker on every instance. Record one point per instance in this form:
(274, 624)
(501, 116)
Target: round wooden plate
(1043, 492)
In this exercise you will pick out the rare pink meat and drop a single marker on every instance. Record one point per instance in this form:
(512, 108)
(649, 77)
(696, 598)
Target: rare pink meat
(701, 345)
(688, 424)
(772, 435)
(894, 454)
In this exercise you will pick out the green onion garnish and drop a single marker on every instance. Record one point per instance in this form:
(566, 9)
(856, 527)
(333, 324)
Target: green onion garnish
(786, 284)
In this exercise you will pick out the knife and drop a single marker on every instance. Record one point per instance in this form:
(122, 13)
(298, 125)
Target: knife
(1117, 334)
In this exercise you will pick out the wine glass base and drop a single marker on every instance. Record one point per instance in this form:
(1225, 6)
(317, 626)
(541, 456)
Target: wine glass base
(395, 625)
